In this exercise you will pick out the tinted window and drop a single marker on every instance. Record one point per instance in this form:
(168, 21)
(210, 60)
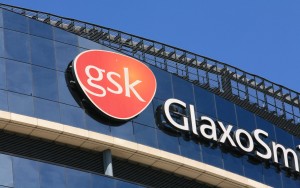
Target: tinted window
(20, 104)
(225, 110)
(15, 21)
(6, 172)
(25, 173)
(40, 29)
(19, 78)
(16, 46)
(44, 83)
(45, 109)
(2, 74)
(42, 52)
(205, 102)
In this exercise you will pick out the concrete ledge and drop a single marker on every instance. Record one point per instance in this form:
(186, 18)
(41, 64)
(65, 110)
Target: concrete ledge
(125, 149)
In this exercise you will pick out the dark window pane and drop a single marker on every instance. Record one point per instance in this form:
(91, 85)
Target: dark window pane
(65, 54)
(71, 115)
(25, 173)
(102, 181)
(63, 92)
(42, 52)
(284, 138)
(253, 169)
(52, 176)
(65, 37)
(44, 83)
(124, 131)
(2, 74)
(272, 177)
(266, 126)
(145, 135)
(96, 126)
(47, 110)
(233, 164)
(190, 148)
(1, 18)
(77, 178)
(225, 110)
(146, 117)
(212, 155)
(183, 90)
(6, 172)
(15, 21)
(20, 104)
(289, 181)
(164, 84)
(1, 42)
(19, 78)
(167, 142)
(3, 100)
(205, 102)
(16, 45)
(40, 29)
(246, 119)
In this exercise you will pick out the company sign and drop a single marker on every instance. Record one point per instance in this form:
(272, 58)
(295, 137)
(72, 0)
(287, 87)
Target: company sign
(119, 86)
(215, 131)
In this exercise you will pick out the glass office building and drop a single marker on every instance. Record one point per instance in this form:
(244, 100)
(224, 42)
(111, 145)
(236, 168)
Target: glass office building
(50, 138)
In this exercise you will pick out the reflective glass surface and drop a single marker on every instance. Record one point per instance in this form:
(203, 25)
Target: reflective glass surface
(14, 21)
(16, 45)
(25, 173)
(42, 52)
(18, 77)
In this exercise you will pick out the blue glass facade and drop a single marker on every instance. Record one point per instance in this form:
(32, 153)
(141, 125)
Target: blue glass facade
(33, 61)
(24, 173)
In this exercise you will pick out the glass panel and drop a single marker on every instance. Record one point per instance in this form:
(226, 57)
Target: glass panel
(212, 155)
(190, 148)
(15, 21)
(20, 104)
(167, 142)
(272, 177)
(42, 52)
(145, 135)
(65, 54)
(124, 131)
(44, 83)
(183, 90)
(47, 110)
(3, 100)
(71, 115)
(16, 46)
(52, 176)
(6, 172)
(225, 110)
(1, 42)
(146, 117)
(266, 126)
(40, 29)
(94, 123)
(2, 74)
(164, 84)
(246, 119)
(77, 178)
(102, 181)
(65, 37)
(253, 169)
(205, 102)
(19, 78)
(63, 92)
(233, 163)
(25, 173)
(284, 138)
(1, 18)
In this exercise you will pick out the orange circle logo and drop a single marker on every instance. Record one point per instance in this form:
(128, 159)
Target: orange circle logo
(119, 86)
